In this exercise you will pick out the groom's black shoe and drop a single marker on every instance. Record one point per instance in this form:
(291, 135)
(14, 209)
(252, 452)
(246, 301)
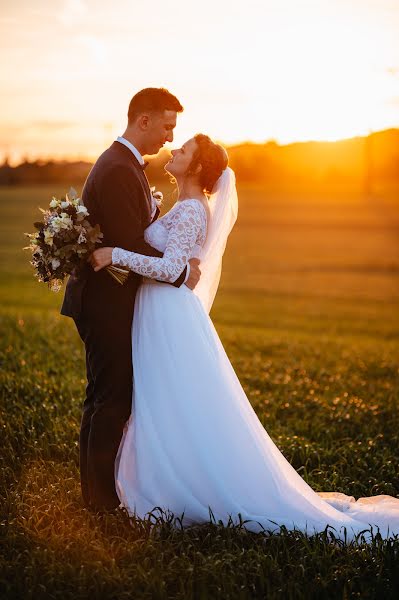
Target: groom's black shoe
(103, 511)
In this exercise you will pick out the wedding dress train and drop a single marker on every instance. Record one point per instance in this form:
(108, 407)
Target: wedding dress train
(193, 442)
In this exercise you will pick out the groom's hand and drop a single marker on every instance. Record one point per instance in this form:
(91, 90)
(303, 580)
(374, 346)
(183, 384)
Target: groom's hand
(100, 258)
(195, 273)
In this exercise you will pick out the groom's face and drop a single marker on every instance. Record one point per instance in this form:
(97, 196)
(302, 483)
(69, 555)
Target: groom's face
(160, 126)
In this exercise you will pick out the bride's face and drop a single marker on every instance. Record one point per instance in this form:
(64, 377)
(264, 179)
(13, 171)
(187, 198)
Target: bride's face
(181, 158)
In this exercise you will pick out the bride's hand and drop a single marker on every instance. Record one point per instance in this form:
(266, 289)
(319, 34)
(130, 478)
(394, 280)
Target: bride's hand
(101, 258)
(195, 273)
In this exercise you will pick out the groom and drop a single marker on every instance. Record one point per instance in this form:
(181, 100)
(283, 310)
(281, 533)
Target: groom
(118, 198)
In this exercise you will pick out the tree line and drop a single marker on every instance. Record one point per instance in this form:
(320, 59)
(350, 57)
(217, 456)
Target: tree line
(357, 160)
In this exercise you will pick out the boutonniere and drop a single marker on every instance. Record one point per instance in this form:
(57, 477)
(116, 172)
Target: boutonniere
(157, 196)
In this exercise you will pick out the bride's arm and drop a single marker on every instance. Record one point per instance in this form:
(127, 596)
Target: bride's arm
(182, 238)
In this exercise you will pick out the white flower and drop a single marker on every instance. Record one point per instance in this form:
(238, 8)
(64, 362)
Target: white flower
(55, 223)
(59, 222)
(54, 203)
(64, 204)
(82, 238)
(82, 210)
(157, 196)
(55, 263)
(48, 237)
(65, 221)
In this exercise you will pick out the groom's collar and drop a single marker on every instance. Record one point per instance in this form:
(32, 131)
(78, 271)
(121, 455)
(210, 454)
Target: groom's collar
(132, 148)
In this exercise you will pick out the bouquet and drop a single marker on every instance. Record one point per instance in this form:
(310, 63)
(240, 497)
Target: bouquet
(63, 241)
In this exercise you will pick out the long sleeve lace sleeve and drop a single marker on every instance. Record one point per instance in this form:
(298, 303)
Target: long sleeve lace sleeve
(188, 222)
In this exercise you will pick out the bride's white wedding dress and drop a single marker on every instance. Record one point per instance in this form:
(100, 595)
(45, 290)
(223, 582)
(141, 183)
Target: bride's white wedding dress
(193, 441)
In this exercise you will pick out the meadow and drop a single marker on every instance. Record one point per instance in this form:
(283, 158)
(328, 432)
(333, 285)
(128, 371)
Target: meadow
(308, 313)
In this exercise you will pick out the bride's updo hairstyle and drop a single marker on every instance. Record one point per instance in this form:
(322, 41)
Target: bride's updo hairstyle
(213, 160)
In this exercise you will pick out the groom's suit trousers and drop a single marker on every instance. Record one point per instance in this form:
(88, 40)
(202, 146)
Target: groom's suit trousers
(106, 333)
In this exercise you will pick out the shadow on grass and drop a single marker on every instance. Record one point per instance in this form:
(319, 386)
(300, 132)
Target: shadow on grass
(52, 547)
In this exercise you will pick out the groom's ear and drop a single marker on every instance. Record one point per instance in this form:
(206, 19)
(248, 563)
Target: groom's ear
(143, 121)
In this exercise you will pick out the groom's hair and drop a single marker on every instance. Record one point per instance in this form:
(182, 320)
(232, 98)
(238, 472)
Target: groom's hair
(152, 100)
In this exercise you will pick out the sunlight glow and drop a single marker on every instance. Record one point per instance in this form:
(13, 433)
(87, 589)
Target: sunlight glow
(276, 69)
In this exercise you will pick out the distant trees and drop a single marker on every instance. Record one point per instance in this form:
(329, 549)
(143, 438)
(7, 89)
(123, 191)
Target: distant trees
(361, 160)
(35, 172)
(355, 160)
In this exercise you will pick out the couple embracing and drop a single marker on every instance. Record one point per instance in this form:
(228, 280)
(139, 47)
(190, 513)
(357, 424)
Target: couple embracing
(165, 421)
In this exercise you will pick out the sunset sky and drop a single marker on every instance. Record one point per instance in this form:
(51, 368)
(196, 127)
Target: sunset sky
(254, 70)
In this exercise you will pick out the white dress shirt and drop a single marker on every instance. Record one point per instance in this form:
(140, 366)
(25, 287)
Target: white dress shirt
(132, 148)
(137, 154)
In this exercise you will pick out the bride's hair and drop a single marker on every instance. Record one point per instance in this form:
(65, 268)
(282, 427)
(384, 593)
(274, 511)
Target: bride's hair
(213, 160)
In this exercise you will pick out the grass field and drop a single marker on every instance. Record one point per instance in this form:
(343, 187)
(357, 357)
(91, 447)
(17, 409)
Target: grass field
(308, 313)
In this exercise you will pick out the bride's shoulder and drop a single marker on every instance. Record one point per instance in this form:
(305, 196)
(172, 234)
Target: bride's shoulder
(191, 205)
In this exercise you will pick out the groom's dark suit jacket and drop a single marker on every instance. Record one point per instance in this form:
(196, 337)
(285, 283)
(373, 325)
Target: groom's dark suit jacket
(117, 197)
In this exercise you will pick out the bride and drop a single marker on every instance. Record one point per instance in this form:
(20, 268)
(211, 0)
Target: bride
(194, 443)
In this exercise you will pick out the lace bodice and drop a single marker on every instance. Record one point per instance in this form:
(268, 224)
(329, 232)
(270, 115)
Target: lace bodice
(179, 234)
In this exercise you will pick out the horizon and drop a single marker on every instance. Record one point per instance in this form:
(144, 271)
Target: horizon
(71, 159)
(275, 71)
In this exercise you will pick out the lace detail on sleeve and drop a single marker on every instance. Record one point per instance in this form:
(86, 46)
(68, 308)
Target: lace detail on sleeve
(187, 227)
